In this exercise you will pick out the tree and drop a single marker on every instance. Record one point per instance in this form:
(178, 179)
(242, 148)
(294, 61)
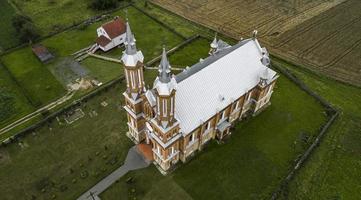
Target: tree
(25, 28)
(104, 4)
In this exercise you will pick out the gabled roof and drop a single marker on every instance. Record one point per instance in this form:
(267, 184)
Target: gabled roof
(229, 74)
(114, 28)
(102, 41)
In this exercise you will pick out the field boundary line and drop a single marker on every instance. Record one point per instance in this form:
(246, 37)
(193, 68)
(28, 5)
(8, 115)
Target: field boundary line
(323, 130)
(159, 22)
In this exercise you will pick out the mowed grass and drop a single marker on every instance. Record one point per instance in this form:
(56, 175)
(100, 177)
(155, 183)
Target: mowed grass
(332, 172)
(51, 160)
(22, 105)
(250, 165)
(8, 36)
(50, 16)
(33, 76)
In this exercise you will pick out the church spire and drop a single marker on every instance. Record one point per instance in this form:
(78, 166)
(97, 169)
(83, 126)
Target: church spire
(164, 68)
(130, 47)
(131, 56)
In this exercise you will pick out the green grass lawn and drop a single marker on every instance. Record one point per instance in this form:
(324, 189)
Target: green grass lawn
(332, 172)
(51, 16)
(33, 76)
(51, 159)
(7, 34)
(103, 70)
(250, 165)
(21, 105)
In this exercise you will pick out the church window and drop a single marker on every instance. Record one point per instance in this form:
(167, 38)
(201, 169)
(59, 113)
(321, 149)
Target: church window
(209, 125)
(237, 104)
(139, 78)
(164, 107)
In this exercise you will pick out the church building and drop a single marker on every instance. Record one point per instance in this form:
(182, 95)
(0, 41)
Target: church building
(182, 112)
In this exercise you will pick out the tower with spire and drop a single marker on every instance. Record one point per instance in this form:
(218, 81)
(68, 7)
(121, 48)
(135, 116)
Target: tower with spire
(263, 89)
(132, 60)
(165, 124)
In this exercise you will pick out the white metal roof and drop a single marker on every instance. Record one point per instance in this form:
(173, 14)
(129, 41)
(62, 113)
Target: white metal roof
(229, 76)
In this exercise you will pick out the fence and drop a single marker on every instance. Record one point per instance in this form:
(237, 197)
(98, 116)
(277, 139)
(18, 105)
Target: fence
(332, 113)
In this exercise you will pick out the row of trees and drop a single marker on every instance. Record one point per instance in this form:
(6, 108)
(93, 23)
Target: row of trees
(104, 4)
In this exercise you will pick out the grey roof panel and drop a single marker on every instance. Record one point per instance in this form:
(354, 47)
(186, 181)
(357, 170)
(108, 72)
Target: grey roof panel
(209, 60)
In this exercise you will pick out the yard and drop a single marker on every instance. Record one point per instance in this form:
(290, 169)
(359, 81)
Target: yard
(17, 105)
(332, 172)
(249, 165)
(63, 160)
(7, 34)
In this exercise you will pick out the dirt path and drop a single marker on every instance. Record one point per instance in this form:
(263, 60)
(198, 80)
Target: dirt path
(36, 113)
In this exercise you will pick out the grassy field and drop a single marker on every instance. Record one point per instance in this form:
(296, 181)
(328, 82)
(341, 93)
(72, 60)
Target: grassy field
(33, 76)
(302, 30)
(51, 16)
(249, 165)
(332, 172)
(43, 86)
(21, 105)
(54, 156)
(7, 34)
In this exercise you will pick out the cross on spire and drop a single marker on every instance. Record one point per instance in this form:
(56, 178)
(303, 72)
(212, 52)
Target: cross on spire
(164, 68)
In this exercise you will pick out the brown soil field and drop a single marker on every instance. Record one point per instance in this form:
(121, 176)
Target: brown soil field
(323, 35)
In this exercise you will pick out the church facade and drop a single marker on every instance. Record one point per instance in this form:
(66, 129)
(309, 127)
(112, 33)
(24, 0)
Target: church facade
(182, 112)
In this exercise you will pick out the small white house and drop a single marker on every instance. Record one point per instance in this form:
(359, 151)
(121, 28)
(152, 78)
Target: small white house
(111, 34)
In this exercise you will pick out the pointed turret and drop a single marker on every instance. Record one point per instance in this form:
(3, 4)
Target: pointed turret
(265, 60)
(164, 68)
(214, 45)
(131, 56)
(130, 46)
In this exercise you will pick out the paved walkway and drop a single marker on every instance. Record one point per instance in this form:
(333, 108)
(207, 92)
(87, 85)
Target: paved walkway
(133, 161)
